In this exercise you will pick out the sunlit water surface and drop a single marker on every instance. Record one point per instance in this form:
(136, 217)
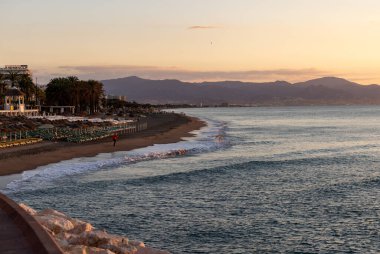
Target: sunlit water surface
(258, 180)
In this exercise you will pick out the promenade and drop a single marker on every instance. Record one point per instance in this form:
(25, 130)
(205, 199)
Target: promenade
(21, 233)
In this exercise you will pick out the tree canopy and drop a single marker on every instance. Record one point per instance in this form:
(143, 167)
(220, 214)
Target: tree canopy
(70, 91)
(22, 81)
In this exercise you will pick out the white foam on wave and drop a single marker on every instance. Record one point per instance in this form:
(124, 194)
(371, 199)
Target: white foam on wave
(209, 138)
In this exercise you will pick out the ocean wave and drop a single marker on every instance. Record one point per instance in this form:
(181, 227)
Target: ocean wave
(208, 139)
(256, 167)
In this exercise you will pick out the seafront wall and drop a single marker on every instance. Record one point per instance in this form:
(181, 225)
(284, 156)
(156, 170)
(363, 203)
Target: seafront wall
(79, 237)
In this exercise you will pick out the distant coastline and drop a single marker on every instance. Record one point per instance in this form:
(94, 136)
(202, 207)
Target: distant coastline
(322, 91)
(163, 129)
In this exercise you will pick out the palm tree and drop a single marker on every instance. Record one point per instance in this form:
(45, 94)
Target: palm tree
(2, 83)
(74, 91)
(58, 92)
(84, 95)
(40, 96)
(2, 88)
(95, 92)
(26, 85)
(13, 76)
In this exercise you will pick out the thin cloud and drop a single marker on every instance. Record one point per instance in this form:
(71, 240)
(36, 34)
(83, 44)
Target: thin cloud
(202, 27)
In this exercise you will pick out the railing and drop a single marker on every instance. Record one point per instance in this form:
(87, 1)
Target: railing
(28, 112)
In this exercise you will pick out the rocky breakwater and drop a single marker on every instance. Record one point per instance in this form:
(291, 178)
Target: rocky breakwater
(79, 237)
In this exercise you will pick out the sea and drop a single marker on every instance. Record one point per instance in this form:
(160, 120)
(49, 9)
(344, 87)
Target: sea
(255, 180)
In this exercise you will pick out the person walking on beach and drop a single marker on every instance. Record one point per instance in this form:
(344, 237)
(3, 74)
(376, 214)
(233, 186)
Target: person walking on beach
(114, 138)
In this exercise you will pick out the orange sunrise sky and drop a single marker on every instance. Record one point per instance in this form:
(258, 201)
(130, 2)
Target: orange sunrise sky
(194, 40)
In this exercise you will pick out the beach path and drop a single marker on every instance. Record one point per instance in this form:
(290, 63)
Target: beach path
(21, 233)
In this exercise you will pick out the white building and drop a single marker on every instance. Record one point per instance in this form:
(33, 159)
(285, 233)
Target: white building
(14, 99)
(14, 104)
(19, 69)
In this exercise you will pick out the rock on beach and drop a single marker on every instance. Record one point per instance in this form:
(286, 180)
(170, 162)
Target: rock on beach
(79, 237)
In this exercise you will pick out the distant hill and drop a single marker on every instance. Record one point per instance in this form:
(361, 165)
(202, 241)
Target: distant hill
(322, 91)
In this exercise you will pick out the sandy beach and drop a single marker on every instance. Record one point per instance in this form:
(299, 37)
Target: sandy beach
(162, 129)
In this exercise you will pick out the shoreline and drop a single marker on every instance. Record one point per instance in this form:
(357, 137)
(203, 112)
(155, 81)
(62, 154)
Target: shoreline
(162, 129)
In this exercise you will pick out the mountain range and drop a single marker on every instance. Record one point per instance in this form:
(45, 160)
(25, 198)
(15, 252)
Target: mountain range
(321, 91)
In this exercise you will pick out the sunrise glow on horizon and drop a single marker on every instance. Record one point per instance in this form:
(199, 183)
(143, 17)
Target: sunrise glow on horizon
(194, 40)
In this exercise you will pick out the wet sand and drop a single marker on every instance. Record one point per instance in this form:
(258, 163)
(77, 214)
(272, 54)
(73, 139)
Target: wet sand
(162, 129)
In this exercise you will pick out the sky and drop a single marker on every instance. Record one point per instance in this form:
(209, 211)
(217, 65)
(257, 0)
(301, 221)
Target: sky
(193, 40)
